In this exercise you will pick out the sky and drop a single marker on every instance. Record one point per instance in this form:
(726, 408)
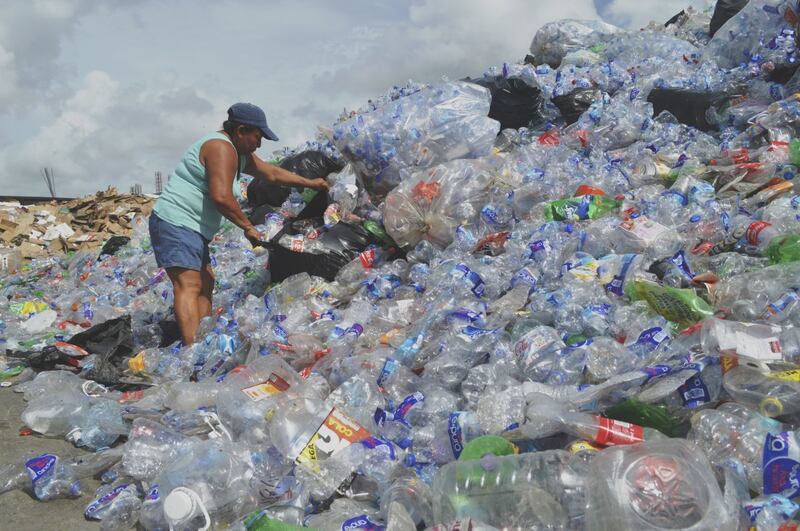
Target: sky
(107, 92)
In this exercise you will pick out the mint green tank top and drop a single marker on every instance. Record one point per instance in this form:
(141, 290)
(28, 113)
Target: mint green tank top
(186, 202)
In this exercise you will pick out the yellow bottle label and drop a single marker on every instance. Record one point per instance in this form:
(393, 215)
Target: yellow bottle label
(136, 363)
(788, 376)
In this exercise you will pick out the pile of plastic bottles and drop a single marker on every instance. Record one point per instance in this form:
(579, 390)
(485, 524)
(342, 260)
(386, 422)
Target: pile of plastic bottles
(593, 325)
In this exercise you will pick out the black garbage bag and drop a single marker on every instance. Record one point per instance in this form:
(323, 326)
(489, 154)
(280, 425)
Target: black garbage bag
(46, 359)
(514, 104)
(284, 263)
(688, 107)
(114, 244)
(112, 342)
(309, 164)
(342, 243)
(170, 332)
(313, 209)
(577, 102)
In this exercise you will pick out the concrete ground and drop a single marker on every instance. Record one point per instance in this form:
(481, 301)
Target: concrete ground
(18, 510)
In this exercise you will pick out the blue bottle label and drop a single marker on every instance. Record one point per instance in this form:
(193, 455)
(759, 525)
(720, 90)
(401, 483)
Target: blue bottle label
(455, 434)
(362, 522)
(781, 465)
(694, 392)
(40, 466)
(104, 500)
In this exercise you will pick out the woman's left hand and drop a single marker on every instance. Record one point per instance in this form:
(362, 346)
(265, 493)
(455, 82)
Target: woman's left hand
(318, 184)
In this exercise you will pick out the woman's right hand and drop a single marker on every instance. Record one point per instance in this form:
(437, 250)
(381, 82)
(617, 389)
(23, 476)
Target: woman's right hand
(254, 236)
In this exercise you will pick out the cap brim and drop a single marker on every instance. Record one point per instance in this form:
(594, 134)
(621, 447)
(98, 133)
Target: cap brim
(268, 134)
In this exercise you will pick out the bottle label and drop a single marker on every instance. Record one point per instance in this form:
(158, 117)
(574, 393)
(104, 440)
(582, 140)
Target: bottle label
(362, 522)
(644, 229)
(466, 524)
(136, 363)
(679, 259)
(40, 466)
(759, 342)
(104, 500)
(781, 465)
(652, 338)
(374, 442)
(270, 387)
(611, 432)
(727, 363)
(389, 366)
(694, 393)
(616, 284)
(537, 247)
(582, 446)
(455, 434)
(297, 244)
(656, 371)
(527, 276)
(406, 405)
(787, 376)
(755, 228)
(472, 333)
(780, 306)
(152, 495)
(367, 258)
(337, 432)
(472, 278)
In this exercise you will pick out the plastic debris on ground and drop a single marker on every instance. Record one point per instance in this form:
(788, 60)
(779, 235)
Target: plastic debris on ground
(591, 321)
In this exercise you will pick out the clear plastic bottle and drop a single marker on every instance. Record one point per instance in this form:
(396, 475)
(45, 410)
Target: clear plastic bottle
(205, 487)
(514, 492)
(771, 393)
(49, 477)
(734, 431)
(547, 417)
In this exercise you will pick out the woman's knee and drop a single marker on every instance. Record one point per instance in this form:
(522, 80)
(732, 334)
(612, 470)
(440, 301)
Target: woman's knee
(185, 280)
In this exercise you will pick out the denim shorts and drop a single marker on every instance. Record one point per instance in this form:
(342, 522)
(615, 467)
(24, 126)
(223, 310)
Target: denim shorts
(176, 246)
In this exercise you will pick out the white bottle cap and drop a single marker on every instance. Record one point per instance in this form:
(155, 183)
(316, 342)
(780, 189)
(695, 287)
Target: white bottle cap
(179, 506)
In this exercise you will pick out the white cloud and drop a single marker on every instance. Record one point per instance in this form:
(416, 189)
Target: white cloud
(635, 14)
(453, 38)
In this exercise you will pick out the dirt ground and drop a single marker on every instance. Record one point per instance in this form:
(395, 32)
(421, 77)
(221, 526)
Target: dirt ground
(18, 510)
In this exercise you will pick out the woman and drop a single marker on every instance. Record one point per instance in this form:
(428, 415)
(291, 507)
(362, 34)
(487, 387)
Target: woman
(199, 193)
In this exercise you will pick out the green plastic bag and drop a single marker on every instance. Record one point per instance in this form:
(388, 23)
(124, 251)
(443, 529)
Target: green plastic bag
(682, 306)
(783, 249)
(580, 208)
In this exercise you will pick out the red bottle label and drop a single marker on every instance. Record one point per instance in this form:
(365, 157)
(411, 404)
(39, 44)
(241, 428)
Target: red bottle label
(612, 432)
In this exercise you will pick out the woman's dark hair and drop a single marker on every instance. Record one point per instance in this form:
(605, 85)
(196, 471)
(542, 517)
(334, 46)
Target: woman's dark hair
(230, 126)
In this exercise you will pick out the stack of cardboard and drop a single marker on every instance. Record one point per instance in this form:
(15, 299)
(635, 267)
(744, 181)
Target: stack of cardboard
(85, 223)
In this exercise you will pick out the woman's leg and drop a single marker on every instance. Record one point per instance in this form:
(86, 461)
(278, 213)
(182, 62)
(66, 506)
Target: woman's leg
(188, 286)
(204, 302)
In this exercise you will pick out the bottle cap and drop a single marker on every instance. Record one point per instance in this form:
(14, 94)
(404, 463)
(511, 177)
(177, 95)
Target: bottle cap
(179, 506)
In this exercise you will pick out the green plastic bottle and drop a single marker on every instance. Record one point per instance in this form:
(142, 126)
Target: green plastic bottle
(258, 521)
(794, 152)
(648, 415)
(783, 249)
(682, 306)
(487, 444)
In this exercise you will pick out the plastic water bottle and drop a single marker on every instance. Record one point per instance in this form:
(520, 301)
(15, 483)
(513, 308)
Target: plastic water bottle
(514, 492)
(207, 486)
(734, 431)
(547, 417)
(49, 477)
